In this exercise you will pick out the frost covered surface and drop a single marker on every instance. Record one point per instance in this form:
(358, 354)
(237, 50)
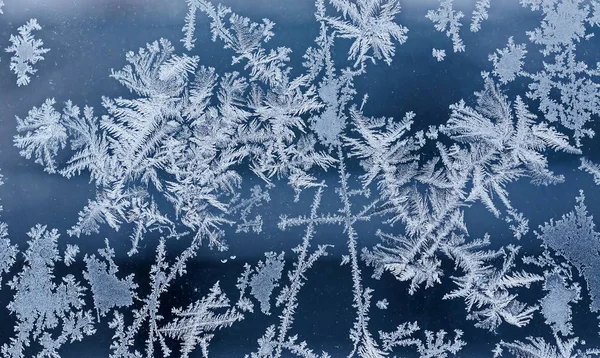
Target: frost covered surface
(261, 187)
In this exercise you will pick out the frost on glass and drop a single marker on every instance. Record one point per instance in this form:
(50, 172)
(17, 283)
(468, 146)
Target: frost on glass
(70, 254)
(190, 155)
(487, 291)
(382, 304)
(537, 347)
(434, 344)
(474, 169)
(27, 51)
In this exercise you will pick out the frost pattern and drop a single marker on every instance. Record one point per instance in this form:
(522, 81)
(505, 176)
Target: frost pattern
(563, 27)
(580, 99)
(433, 345)
(563, 24)
(497, 148)
(44, 135)
(27, 51)
(382, 304)
(485, 290)
(171, 162)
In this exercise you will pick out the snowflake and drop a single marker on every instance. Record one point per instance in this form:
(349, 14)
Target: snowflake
(591, 168)
(508, 62)
(479, 14)
(27, 52)
(44, 135)
(574, 237)
(371, 24)
(447, 20)
(438, 54)
(382, 304)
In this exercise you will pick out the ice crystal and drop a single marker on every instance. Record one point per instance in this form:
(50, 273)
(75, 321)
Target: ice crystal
(43, 307)
(266, 279)
(44, 135)
(508, 62)
(193, 324)
(577, 87)
(434, 344)
(8, 252)
(537, 347)
(480, 14)
(70, 254)
(438, 54)
(27, 51)
(592, 168)
(564, 25)
(447, 20)
(382, 304)
(496, 147)
(108, 290)
(370, 23)
(486, 289)
(575, 238)
(555, 305)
